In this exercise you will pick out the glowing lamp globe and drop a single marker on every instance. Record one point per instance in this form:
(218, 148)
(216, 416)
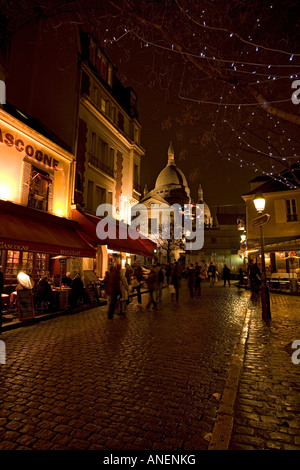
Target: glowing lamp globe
(259, 202)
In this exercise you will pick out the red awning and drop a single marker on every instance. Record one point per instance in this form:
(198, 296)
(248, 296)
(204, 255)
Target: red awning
(122, 243)
(24, 229)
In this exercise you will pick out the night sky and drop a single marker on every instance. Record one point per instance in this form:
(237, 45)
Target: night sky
(197, 68)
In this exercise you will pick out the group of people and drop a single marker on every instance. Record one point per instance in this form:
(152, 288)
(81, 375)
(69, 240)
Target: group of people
(119, 282)
(43, 290)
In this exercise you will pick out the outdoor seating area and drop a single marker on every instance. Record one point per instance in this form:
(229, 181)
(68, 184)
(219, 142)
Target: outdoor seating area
(284, 281)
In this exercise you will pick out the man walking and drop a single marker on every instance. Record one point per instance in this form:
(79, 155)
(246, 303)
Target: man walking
(152, 284)
(197, 279)
(211, 274)
(226, 275)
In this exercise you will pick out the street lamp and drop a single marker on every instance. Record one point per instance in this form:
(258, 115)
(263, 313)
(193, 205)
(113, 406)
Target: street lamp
(260, 202)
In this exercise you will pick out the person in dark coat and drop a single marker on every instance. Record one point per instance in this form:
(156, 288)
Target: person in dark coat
(191, 279)
(77, 291)
(197, 279)
(152, 283)
(138, 274)
(113, 290)
(226, 275)
(67, 280)
(254, 276)
(176, 279)
(1, 292)
(168, 272)
(211, 272)
(44, 292)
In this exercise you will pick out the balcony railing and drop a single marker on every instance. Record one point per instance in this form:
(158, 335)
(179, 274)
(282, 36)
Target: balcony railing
(98, 164)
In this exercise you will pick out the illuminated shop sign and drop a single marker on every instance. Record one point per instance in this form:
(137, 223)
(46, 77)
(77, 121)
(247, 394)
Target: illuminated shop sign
(22, 146)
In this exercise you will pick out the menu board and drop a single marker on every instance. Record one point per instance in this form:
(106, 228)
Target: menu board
(92, 294)
(25, 304)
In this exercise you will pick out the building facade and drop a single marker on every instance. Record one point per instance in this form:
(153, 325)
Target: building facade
(109, 152)
(282, 232)
(69, 117)
(35, 201)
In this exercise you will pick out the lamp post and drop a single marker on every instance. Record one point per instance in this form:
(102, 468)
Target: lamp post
(260, 202)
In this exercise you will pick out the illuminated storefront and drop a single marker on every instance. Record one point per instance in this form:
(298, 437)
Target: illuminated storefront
(36, 183)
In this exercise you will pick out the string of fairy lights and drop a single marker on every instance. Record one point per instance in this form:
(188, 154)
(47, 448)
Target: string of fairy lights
(262, 72)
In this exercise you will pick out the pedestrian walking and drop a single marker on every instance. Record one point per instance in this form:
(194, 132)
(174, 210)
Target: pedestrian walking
(254, 275)
(176, 279)
(138, 278)
(124, 287)
(168, 272)
(211, 274)
(152, 283)
(1, 292)
(190, 275)
(114, 290)
(197, 279)
(203, 271)
(128, 273)
(226, 275)
(160, 281)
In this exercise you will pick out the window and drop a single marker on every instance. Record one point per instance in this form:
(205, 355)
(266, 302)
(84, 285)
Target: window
(113, 114)
(109, 197)
(110, 75)
(27, 262)
(85, 83)
(90, 195)
(291, 211)
(121, 121)
(41, 264)
(95, 95)
(100, 196)
(111, 162)
(40, 187)
(136, 174)
(104, 106)
(12, 263)
(93, 143)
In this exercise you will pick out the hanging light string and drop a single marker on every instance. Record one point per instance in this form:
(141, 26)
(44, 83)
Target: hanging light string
(254, 167)
(202, 55)
(218, 103)
(268, 143)
(232, 34)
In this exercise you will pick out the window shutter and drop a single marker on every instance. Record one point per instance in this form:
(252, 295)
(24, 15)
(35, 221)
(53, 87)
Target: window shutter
(280, 211)
(25, 183)
(50, 197)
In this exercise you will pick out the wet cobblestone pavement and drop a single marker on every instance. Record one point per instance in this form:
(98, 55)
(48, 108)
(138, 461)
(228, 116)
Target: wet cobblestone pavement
(268, 404)
(141, 381)
(149, 380)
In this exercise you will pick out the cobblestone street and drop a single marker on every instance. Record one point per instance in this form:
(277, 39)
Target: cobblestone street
(268, 405)
(148, 380)
(142, 381)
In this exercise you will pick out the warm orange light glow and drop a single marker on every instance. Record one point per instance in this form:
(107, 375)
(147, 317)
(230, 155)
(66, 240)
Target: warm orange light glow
(8, 190)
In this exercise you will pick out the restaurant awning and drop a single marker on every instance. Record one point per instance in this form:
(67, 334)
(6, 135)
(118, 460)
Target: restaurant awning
(122, 243)
(277, 244)
(25, 229)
